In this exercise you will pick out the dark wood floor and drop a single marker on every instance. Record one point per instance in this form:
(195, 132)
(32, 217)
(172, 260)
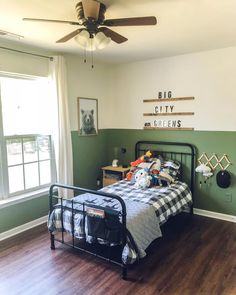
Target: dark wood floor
(195, 256)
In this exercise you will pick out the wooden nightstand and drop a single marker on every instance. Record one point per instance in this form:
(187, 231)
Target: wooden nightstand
(113, 174)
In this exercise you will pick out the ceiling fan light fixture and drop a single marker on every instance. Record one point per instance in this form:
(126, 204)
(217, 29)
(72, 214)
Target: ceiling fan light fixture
(101, 40)
(83, 39)
(92, 45)
(91, 9)
(95, 33)
(90, 42)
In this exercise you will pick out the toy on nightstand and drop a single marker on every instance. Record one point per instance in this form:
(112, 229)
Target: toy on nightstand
(115, 163)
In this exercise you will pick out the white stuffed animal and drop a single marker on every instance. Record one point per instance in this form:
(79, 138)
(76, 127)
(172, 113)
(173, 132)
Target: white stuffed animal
(142, 179)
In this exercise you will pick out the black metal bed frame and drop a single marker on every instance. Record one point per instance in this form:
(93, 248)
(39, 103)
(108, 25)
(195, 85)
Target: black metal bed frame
(121, 213)
(140, 148)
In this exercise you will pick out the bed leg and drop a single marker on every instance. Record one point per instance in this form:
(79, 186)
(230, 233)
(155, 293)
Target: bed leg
(52, 242)
(124, 272)
(191, 210)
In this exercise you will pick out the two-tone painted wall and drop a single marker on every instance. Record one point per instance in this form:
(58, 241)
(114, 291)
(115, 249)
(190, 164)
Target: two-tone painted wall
(89, 153)
(207, 196)
(210, 78)
(120, 89)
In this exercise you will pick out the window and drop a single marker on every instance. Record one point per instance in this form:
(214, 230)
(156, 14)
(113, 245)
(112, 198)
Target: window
(27, 125)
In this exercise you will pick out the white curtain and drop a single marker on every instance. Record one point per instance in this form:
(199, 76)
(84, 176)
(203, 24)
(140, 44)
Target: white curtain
(63, 145)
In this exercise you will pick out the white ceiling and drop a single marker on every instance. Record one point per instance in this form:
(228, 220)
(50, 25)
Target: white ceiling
(183, 26)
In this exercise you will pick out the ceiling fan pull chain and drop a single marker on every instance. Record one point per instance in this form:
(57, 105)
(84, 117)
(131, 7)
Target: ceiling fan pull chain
(92, 59)
(85, 56)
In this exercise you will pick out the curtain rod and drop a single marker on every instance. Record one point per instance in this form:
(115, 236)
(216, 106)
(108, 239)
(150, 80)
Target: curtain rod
(34, 54)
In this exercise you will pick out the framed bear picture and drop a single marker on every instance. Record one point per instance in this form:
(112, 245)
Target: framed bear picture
(87, 116)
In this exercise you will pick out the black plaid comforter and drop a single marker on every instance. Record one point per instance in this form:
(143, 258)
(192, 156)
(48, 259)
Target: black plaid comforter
(163, 201)
(167, 201)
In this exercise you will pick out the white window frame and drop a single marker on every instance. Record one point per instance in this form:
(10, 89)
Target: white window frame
(4, 182)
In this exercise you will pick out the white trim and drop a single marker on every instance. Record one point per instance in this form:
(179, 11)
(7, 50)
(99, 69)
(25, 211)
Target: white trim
(14, 75)
(19, 229)
(216, 215)
(41, 220)
(24, 197)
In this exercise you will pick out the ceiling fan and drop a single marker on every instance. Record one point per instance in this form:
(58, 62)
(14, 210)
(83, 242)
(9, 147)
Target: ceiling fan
(91, 16)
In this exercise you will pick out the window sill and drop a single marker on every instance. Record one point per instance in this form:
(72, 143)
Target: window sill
(24, 197)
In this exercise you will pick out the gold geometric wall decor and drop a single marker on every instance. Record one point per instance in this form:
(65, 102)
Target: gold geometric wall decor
(213, 162)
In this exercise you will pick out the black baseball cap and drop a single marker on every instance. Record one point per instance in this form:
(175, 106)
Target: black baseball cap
(223, 179)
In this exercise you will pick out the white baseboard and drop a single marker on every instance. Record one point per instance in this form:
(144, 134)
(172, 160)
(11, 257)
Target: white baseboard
(19, 229)
(216, 215)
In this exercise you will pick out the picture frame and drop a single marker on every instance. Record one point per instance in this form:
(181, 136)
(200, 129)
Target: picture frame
(87, 116)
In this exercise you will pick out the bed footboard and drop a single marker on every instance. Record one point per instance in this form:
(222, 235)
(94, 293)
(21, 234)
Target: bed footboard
(72, 205)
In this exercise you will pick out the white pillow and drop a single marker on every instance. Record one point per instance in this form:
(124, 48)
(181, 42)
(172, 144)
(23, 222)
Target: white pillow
(151, 165)
(156, 165)
(144, 165)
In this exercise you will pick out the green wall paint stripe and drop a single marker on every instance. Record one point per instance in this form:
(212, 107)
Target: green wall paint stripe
(24, 212)
(90, 153)
(208, 197)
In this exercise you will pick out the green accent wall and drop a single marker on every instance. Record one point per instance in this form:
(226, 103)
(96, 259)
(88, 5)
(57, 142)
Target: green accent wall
(90, 153)
(18, 214)
(209, 196)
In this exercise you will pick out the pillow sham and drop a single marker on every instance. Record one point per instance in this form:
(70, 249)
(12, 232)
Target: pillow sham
(154, 164)
(172, 167)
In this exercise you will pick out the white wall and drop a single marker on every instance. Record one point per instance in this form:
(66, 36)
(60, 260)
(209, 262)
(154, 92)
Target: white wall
(83, 81)
(208, 76)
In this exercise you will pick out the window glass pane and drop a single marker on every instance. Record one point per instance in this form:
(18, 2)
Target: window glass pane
(44, 147)
(25, 105)
(16, 180)
(45, 172)
(31, 175)
(14, 151)
(28, 118)
(30, 149)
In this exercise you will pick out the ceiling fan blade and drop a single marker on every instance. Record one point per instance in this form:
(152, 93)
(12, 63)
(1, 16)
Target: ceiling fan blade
(113, 35)
(69, 36)
(52, 21)
(131, 21)
(91, 9)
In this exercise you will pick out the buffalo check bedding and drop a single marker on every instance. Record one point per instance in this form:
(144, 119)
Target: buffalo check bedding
(147, 209)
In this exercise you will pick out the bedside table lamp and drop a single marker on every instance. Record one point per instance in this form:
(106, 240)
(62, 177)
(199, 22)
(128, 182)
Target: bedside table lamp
(115, 159)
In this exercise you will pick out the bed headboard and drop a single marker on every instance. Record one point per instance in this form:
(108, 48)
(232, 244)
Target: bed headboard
(180, 151)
